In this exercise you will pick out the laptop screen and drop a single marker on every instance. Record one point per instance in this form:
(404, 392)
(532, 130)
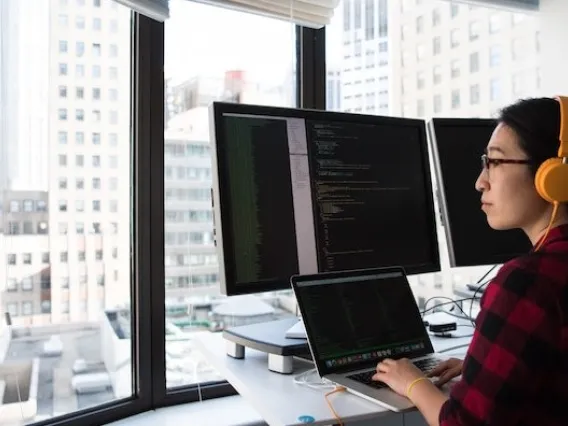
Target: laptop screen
(357, 318)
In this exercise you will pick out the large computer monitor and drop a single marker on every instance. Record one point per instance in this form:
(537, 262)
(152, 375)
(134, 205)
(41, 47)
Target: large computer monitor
(457, 145)
(303, 191)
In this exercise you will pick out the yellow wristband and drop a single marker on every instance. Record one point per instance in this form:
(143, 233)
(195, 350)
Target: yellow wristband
(411, 385)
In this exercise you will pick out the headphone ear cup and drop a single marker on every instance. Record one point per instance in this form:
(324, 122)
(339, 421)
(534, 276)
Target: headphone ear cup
(551, 181)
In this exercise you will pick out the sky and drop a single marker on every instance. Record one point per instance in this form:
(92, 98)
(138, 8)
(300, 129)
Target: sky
(205, 40)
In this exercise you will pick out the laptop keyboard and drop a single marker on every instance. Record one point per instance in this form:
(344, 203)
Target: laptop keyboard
(425, 365)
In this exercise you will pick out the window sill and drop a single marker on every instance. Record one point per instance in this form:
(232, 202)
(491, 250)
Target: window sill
(228, 411)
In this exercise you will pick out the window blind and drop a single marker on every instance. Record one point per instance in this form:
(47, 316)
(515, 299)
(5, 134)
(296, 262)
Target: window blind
(309, 13)
(155, 9)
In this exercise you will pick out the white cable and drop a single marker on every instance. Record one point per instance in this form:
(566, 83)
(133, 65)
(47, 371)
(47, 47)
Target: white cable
(199, 392)
(19, 395)
(306, 379)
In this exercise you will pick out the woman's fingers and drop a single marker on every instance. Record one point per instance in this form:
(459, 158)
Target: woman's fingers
(439, 369)
(447, 376)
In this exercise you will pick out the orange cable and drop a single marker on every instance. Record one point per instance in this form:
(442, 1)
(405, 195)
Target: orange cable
(549, 227)
(327, 395)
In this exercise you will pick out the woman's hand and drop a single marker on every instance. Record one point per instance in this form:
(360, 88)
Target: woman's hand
(397, 374)
(446, 371)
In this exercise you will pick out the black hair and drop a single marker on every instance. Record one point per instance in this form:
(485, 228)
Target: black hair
(536, 121)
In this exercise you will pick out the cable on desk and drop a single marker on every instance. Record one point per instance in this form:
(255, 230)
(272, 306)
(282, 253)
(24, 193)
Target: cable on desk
(451, 301)
(455, 301)
(327, 395)
(480, 284)
(306, 379)
(303, 379)
(485, 275)
(453, 348)
(462, 317)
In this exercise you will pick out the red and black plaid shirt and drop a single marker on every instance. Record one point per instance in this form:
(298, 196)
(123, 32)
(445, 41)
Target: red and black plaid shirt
(516, 368)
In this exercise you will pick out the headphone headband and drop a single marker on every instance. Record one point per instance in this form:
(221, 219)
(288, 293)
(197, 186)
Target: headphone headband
(563, 136)
(552, 176)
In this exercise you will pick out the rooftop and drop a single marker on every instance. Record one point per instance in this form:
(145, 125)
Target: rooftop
(55, 394)
(77, 366)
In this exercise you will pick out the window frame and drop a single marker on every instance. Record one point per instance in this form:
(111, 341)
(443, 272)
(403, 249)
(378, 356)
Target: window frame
(145, 49)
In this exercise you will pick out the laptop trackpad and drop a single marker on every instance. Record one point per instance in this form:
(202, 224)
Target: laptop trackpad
(376, 392)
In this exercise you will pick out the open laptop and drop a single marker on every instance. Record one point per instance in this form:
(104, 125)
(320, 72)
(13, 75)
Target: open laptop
(353, 319)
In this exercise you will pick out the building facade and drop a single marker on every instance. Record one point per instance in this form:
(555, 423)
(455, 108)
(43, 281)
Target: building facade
(365, 70)
(455, 60)
(24, 247)
(65, 127)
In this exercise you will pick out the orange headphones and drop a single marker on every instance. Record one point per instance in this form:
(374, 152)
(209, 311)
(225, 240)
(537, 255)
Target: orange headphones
(551, 180)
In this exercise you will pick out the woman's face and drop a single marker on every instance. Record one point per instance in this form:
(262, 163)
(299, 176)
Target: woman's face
(508, 195)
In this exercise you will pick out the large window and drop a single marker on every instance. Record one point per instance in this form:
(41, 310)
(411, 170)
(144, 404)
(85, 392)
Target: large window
(105, 174)
(243, 68)
(79, 199)
(485, 81)
(65, 279)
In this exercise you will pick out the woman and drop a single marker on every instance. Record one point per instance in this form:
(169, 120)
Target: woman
(516, 368)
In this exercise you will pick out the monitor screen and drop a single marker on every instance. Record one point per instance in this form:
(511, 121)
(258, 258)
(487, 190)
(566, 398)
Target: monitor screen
(301, 192)
(358, 318)
(457, 146)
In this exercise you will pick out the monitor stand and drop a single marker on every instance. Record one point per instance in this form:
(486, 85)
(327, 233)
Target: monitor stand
(269, 337)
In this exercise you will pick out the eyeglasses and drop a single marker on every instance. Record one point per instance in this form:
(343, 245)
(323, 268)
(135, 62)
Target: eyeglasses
(486, 162)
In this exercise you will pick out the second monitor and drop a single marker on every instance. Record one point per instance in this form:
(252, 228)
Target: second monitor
(457, 146)
(301, 191)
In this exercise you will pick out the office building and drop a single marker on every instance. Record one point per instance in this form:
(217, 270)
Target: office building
(422, 59)
(365, 70)
(455, 60)
(74, 117)
(190, 255)
(26, 292)
(333, 90)
(89, 159)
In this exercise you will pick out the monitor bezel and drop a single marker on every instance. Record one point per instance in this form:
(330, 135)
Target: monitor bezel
(455, 261)
(220, 196)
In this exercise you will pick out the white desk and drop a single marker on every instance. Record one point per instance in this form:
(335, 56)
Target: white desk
(281, 402)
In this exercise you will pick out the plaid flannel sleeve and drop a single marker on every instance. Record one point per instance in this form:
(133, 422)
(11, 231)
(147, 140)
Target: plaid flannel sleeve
(514, 343)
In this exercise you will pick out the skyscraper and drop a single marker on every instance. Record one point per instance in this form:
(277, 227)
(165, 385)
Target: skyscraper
(455, 60)
(65, 132)
(365, 67)
(89, 182)
(333, 90)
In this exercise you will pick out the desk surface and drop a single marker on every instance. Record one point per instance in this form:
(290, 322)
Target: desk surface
(279, 400)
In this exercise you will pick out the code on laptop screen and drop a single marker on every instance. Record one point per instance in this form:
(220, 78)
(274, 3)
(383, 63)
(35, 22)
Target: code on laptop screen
(361, 318)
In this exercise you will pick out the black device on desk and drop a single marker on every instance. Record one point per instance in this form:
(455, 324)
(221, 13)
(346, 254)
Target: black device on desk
(303, 191)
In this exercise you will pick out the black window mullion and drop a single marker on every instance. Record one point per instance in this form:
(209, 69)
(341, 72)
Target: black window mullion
(310, 68)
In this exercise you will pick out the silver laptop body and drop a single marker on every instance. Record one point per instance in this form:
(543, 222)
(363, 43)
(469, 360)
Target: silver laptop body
(353, 319)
